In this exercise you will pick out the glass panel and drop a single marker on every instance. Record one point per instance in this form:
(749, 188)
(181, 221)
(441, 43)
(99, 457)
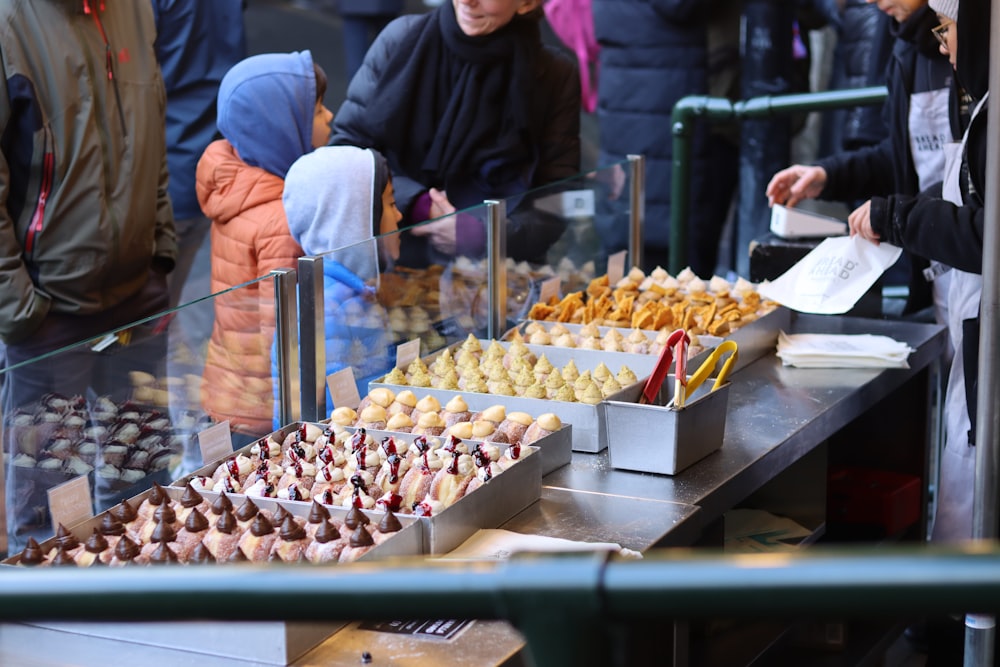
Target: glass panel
(569, 228)
(123, 408)
(372, 302)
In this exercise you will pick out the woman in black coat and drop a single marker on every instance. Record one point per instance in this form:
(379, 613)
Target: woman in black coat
(467, 104)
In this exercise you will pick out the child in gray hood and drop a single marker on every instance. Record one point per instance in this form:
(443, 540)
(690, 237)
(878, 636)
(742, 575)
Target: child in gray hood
(337, 200)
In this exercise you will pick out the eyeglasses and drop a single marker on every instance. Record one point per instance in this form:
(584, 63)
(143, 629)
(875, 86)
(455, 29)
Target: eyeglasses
(941, 32)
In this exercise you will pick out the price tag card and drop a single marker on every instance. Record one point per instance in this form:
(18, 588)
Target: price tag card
(407, 353)
(343, 388)
(216, 442)
(70, 502)
(549, 289)
(616, 267)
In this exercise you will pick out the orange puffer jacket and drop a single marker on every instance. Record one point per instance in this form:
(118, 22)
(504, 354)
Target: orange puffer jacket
(250, 238)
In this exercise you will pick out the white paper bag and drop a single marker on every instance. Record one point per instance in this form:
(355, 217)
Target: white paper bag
(831, 278)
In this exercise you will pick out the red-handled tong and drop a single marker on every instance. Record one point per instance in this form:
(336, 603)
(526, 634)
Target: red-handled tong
(652, 387)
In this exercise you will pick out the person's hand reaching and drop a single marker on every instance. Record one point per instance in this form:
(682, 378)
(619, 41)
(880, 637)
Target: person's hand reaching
(441, 229)
(860, 223)
(790, 186)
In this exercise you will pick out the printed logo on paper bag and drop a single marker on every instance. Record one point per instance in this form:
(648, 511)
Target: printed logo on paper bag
(833, 267)
(831, 278)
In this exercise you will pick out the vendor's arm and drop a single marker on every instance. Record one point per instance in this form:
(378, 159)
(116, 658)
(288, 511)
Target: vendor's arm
(932, 228)
(22, 306)
(859, 174)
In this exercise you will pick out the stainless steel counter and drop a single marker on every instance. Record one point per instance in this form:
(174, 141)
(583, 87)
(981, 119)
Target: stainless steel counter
(777, 414)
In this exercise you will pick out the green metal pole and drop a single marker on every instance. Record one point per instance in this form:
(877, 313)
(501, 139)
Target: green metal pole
(713, 109)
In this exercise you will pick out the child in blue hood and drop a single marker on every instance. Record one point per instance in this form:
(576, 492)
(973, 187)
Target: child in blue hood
(340, 198)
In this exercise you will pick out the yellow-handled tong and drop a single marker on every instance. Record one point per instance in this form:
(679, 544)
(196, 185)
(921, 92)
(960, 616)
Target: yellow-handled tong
(706, 368)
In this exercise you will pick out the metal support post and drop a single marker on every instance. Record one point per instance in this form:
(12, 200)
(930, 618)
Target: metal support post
(496, 255)
(312, 339)
(980, 629)
(286, 345)
(637, 208)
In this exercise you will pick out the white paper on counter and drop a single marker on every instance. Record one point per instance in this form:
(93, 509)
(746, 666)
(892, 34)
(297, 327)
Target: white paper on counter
(497, 544)
(756, 531)
(833, 276)
(842, 351)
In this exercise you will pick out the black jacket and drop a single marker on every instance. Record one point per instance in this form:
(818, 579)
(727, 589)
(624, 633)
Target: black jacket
(887, 167)
(557, 115)
(653, 53)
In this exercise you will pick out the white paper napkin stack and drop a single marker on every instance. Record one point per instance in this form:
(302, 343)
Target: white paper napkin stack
(842, 351)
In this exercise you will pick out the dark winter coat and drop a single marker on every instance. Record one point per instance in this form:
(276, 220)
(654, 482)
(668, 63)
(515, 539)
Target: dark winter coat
(554, 119)
(887, 167)
(653, 53)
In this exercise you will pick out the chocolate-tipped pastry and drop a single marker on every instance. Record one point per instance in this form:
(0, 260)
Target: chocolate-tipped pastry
(222, 503)
(355, 517)
(126, 550)
(165, 513)
(63, 557)
(237, 557)
(201, 555)
(247, 511)
(361, 538)
(327, 532)
(163, 532)
(163, 555)
(66, 539)
(195, 522)
(124, 512)
(389, 523)
(191, 498)
(110, 525)
(317, 513)
(96, 543)
(291, 530)
(32, 554)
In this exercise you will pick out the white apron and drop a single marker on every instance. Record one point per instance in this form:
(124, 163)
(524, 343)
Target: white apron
(953, 521)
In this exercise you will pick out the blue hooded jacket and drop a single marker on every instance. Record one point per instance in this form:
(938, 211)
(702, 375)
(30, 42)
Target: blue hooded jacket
(249, 116)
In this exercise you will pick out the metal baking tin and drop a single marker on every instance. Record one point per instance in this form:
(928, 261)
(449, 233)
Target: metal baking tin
(271, 642)
(489, 506)
(657, 439)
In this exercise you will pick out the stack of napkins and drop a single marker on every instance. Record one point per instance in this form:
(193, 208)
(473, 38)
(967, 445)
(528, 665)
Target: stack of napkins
(498, 544)
(842, 351)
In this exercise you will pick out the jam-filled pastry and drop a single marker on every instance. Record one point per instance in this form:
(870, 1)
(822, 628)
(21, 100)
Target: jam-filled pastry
(358, 544)
(201, 555)
(326, 545)
(195, 529)
(66, 541)
(190, 500)
(485, 457)
(163, 554)
(450, 483)
(164, 514)
(238, 468)
(61, 557)
(511, 455)
(163, 531)
(390, 475)
(126, 552)
(456, 410)
(32, 556)
(546, 424)
(429, 424)
(426, 404)
(514, 426)
(317, 515)
(256, 543)
(112, 530)
(404, 403)
(246, 513)
(417, 481)
(329, 480)
(93, 548)
(300, 472)
(380, 396)
(223, 538)
(387, 527)
(290, 547)
(400, 423)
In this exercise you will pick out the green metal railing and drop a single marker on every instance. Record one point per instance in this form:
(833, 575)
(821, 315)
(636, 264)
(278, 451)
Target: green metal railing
(567, 607)
(716, 109)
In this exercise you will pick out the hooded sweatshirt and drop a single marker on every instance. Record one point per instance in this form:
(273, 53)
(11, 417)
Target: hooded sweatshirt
(265, 112)
(333, 201)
